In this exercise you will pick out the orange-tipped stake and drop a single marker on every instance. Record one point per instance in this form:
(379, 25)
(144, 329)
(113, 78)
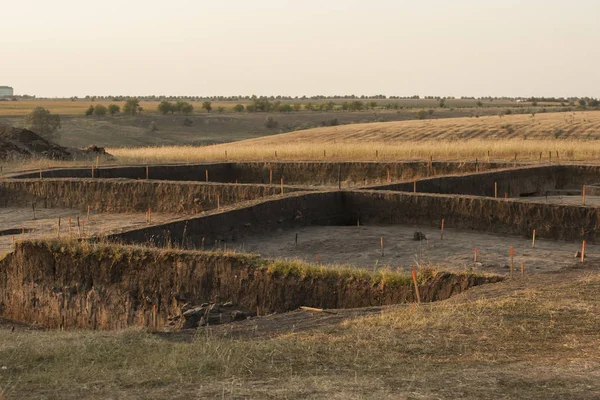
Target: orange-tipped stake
(282, 186)
(522, 269)
(533, 240)
(271, 176)
(13, 240)
(512, 254)
(146, 172)
(583, 251)
(319, 258)
(583, 195)
(149, 216)
(475, 255)
(88, 213)
(505, 195)
(415, 186)
(442, 236)
(206, 176)
(414, 276)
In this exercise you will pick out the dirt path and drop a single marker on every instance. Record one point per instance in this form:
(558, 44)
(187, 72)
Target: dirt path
(348, 245)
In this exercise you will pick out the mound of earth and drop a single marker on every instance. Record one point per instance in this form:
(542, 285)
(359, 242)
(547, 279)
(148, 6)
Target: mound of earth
(19, 143)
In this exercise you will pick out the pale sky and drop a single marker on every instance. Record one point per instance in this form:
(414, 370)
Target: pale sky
(306, 47)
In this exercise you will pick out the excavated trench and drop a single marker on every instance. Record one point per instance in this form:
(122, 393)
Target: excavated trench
(345, 174)
(74, 285)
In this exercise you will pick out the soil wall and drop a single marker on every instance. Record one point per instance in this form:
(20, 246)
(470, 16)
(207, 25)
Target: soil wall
(108, 287)
(295, 173)
(510, 216)
(321, 208)
(519, 182)
(122, 195)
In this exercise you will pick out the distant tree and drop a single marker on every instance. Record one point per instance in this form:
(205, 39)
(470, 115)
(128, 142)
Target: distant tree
(422, 114)
(220, 109)
(238, 108)
(164, 107)
(582, 103)
(43, 122)
(270, 123)
(593, 102)
(187, 108)
(373, 105)
(100, 110)
(442, 103)
(113, 109)
(479, 103)
(207, 105)
(132, 106)
(297, 106)
(285, 108)
(89, 111)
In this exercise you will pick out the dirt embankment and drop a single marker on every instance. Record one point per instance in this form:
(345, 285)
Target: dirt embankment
(484, 214)
(347, 174)
(69, 285)
(19, 143)
(117, 195)
(520, 182)
(509, 216)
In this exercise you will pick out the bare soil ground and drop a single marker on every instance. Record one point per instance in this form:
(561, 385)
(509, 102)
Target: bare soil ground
(361, 248)
(45, 224)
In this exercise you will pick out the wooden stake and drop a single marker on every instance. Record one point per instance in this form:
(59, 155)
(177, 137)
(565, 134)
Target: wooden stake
(270, 176)
(70, 233)
(522, 269)
(583, 195)
(533, 240)
(324, 153)
(206, 172)
(149, 216)
(275, 153)
(319, 258)
(550, 157)
(583, 251)
(382, 251)
(296, 242)
(88, 213)
(414, 276)
(415, 186)
(388, 175)
(376, 154)
(146, 172)
(281, 186)
(339, 177)
(488, 156)
(41, 173)
(512, 254)
(476, 165)
(58, 228)
(496, 189)
(226, 154)
(442, 236)
(218, 201)
(475, 255)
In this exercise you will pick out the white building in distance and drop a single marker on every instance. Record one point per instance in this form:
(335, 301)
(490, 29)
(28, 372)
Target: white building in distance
(6, 91)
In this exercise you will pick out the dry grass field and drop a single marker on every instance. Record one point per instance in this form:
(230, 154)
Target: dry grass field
(568, 136)
(534, 338)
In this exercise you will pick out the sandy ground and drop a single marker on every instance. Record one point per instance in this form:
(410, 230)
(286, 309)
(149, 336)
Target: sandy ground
(45, 225)
(571, 200)
(347, 245)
